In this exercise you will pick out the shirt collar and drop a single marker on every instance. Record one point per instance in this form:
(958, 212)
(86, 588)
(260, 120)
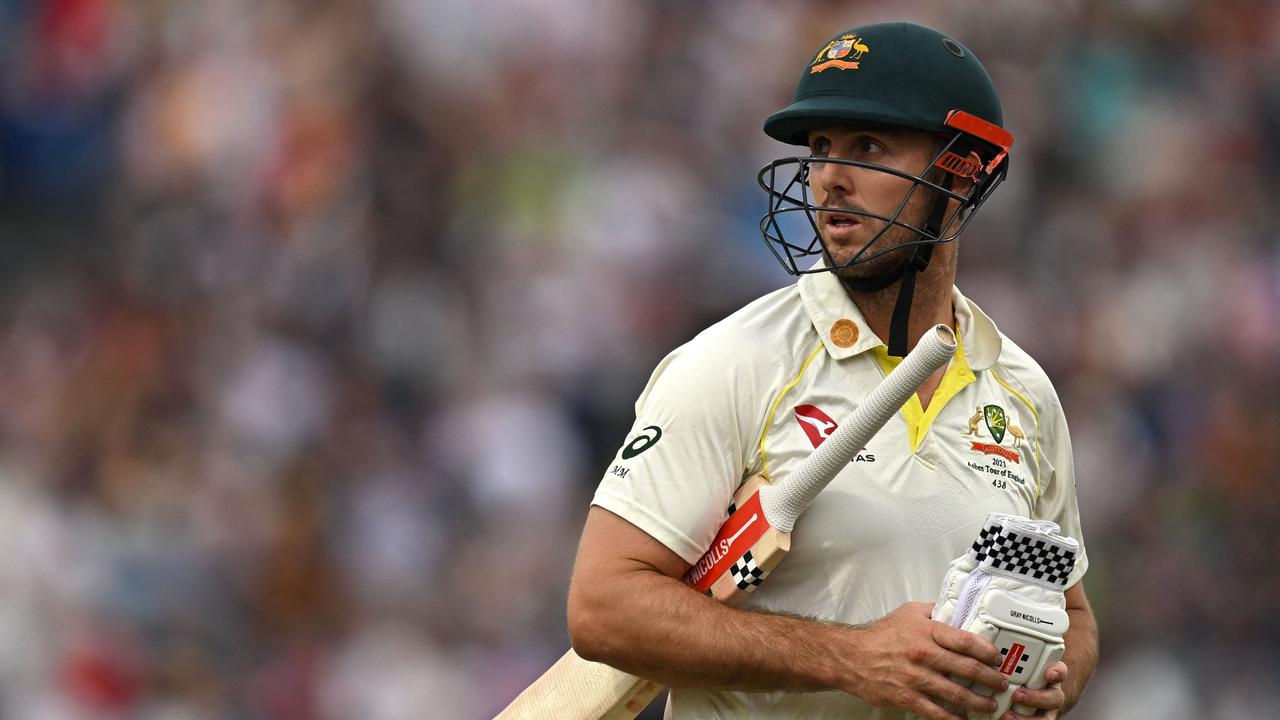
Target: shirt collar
(845, 332)
(837, 320)
(978, 332)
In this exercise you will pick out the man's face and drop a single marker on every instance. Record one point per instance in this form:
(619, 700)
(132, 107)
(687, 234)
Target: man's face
(856, 188)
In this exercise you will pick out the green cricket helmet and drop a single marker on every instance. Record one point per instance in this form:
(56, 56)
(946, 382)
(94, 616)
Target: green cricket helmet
(889, 74)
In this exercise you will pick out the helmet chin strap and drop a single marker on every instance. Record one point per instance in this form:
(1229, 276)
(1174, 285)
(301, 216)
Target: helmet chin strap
(906, 272)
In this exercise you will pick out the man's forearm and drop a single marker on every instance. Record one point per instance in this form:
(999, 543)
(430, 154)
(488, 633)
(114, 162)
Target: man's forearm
(1080, 655)
(659, 628)
(629, 609)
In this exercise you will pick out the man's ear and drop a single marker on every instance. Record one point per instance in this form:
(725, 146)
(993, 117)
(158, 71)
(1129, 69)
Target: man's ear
(962, 168)
(965, 184)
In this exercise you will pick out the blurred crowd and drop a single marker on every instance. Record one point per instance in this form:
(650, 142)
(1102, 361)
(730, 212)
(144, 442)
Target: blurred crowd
(319, 322)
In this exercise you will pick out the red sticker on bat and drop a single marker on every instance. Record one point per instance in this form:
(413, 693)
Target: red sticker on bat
(743, 528)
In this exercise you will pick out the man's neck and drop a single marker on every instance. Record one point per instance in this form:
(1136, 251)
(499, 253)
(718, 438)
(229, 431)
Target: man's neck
(930, 304)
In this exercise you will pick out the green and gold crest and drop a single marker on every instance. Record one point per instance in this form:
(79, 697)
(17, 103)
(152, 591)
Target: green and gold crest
(996, 421)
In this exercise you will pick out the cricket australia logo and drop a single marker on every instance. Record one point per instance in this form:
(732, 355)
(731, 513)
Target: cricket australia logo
(998, 424)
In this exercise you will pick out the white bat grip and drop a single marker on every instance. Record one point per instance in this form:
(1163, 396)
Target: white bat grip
(784, 502)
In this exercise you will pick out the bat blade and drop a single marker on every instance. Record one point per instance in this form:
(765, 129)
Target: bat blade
(577, 689)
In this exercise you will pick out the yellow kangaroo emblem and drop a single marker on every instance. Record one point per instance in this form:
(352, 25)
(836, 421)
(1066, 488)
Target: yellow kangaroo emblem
(974, 430)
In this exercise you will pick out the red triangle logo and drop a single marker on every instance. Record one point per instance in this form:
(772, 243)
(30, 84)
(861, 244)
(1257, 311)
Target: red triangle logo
(815, 423)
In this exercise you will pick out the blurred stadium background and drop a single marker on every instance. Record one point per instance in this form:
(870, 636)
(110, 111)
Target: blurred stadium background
(320, 321)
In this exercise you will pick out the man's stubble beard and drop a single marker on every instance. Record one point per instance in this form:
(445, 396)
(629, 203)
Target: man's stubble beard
(895, 236)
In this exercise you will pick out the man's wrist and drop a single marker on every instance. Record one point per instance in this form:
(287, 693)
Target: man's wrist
(834, 648)
(1071, 690)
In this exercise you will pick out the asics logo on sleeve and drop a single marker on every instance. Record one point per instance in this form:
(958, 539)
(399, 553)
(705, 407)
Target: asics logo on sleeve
(647, 439)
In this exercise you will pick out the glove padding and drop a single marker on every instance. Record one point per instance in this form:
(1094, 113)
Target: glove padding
(1008, 589)
(994, 534)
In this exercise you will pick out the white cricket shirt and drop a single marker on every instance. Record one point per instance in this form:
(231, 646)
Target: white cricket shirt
(754, 392)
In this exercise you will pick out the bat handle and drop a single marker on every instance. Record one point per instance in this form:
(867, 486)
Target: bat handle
(783, 503)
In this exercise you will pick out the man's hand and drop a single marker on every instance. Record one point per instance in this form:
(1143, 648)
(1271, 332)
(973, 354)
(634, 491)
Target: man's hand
(1048, 701)
(903, 661)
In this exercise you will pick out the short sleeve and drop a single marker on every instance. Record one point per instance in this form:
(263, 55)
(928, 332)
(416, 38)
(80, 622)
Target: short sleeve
(1057, 501)
(695, 433)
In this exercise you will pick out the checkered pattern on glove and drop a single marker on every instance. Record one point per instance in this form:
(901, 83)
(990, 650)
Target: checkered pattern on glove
(1030, 550)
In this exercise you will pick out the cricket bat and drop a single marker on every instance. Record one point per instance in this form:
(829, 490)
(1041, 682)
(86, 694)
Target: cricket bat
(753, 540)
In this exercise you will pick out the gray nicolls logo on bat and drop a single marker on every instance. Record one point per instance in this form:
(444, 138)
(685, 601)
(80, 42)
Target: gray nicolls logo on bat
(718, 551)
